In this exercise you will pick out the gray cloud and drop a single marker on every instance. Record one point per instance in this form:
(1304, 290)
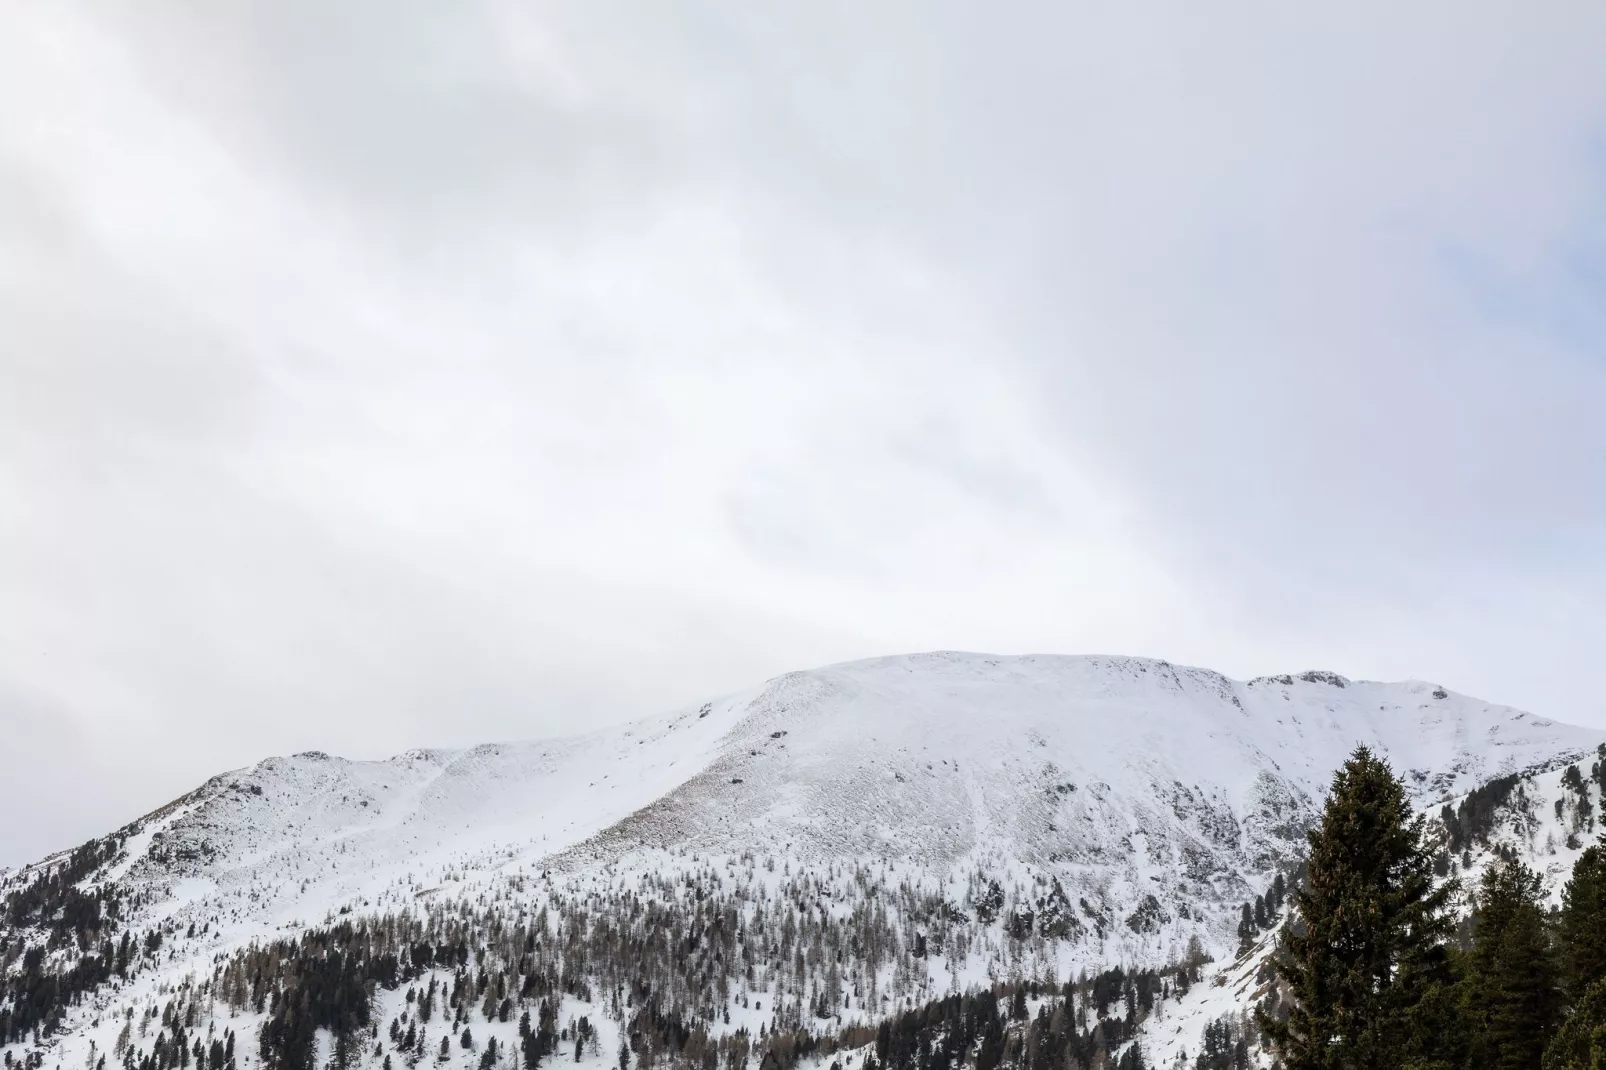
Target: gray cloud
(373, 377)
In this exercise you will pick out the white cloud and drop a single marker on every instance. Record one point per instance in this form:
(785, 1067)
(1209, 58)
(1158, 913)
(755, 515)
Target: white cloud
(375, 377)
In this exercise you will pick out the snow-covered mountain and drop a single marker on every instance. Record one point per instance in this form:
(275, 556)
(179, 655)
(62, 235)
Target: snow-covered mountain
(940, 820)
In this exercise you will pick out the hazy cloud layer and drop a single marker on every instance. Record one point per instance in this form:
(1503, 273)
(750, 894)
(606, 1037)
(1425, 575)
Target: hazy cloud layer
(374, 375)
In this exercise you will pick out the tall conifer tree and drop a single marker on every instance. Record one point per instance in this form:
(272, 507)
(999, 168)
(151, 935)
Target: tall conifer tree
(1512, 983)
(1366, 955)
(1583, 922)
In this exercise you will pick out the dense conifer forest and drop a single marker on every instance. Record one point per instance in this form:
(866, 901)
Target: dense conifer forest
(668, 961)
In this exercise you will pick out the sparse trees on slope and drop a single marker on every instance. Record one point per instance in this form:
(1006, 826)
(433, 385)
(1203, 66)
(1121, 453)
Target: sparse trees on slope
(1368, 950)
(1216, 1048)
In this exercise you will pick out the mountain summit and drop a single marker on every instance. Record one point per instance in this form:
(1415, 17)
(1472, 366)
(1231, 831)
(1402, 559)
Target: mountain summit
(947, 819)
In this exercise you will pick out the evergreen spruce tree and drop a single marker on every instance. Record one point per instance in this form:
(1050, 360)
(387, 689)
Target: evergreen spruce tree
(1583, 922)
(1580, 1043)
(1366, 960)
(1436, 1031)
(1216, 1050)
(1512, 983)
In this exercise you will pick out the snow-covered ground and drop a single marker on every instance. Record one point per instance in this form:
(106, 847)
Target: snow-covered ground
(1156, 798)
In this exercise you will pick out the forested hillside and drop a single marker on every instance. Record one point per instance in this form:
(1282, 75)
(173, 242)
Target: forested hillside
(940, 860)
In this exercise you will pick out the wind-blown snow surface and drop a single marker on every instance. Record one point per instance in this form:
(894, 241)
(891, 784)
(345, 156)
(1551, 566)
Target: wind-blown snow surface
(1158, 796)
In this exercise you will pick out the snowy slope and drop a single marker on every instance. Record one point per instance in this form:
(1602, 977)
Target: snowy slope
(1156, 797)
(1121, 775)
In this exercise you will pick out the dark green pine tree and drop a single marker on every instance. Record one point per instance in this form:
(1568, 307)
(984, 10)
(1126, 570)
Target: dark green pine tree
(1512, 981)
(1583, 922)
(1216, 1049)
(1580, 1043)
(1365, 964)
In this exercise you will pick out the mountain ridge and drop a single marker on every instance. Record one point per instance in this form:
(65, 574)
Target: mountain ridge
(567, 796)
(1018, 815)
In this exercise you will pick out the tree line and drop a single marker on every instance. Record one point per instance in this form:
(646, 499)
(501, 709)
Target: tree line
(1374, 975)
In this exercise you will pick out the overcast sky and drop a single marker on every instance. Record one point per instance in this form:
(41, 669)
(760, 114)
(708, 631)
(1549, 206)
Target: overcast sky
(376, 375)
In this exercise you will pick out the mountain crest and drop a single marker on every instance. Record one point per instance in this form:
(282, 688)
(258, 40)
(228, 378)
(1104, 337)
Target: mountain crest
(837, 845)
